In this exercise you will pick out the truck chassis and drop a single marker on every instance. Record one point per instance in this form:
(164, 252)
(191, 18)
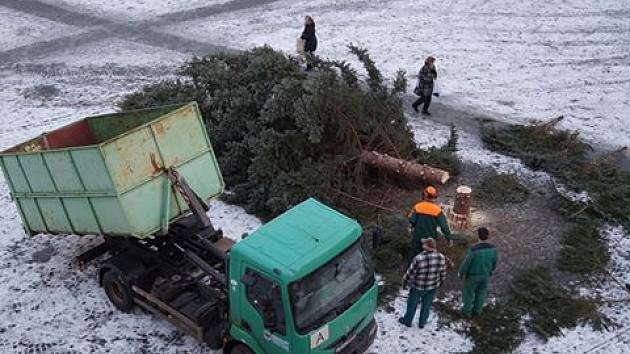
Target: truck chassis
(179, 277)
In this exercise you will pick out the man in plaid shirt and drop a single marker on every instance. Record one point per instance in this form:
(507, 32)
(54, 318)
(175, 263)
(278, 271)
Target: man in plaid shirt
(425, 275)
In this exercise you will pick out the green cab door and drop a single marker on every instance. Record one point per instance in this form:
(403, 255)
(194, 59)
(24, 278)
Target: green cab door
(262, 311)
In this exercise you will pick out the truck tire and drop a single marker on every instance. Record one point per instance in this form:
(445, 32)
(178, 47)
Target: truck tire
(214, 335)
(118, 290)
(240, 349)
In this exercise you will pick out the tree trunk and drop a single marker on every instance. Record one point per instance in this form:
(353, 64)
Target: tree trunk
(407, 169)
(460, 214)
(462, 200)
(546, 126)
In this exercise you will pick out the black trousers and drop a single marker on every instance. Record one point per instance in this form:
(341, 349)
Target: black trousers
(423, 99)
(309, 60)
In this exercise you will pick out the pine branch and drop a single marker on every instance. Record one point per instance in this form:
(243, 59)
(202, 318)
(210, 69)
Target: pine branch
(375, 78)
(400, 82)
(348, 74)
(362, 201)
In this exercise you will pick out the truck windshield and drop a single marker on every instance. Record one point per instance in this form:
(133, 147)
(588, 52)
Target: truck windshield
(330, 290)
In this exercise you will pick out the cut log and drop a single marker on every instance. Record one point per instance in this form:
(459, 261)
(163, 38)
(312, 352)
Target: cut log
(408, 170)
(460, 214)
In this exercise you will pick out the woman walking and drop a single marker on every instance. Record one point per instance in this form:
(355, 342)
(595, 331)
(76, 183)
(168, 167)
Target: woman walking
(310, 41)
(424, 89)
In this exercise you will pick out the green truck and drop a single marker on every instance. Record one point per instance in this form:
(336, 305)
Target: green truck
(302, 283)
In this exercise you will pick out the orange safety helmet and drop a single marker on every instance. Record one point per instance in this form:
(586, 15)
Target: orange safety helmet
(430, 192)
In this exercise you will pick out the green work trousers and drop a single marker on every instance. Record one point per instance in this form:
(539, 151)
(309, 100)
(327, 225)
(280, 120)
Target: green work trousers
(425, 297)
(415, 249)
(475, 291)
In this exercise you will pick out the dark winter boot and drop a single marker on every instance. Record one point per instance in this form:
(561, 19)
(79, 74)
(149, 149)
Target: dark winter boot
(426, 113)
(415, 108)
(402, 321)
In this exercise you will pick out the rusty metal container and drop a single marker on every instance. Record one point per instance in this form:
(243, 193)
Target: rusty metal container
(106, 174)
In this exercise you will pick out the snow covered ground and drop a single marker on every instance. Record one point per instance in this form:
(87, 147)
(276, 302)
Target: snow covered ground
(428, 133)
(519, 60)
(509, 59)
(19, 29)
(433, 339)
(115, 51)
(120, 10)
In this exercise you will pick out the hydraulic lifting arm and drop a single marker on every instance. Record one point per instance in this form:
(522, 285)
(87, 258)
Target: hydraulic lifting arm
(193, 242)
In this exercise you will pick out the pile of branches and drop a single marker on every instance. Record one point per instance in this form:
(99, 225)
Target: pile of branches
(551, 308)
(498, 330)
(501, 189)
(583, 250)
(535, 302)
(571, 162)
(563, 155)
(535, 298)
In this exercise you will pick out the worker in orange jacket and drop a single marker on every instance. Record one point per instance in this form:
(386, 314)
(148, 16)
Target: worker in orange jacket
(424, 219)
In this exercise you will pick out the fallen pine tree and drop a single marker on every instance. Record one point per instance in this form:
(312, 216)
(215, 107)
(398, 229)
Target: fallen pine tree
(282, 136)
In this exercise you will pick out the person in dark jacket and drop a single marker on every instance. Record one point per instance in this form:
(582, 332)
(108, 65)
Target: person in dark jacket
(424, 276)
(310, 41)
(476, 269)
(424, 88)
(424, 219)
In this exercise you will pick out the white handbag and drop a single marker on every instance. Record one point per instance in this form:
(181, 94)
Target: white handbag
(300, 46)
(436, 89)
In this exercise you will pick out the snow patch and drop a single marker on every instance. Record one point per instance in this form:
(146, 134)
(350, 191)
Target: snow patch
(81, 92)
(19, 29)
(232, 219)
(427, 133)
(619, 265)
(132, 9)
(115, 51)
(566, 192)
(393, 337)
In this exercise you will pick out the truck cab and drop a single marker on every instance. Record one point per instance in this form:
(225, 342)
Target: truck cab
(302, 283)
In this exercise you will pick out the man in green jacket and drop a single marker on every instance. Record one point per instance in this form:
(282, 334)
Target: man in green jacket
(476, 269)
(424, 219)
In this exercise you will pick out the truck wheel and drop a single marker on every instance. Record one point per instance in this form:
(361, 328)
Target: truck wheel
(241, 349)
(118, 291)
(214, 335)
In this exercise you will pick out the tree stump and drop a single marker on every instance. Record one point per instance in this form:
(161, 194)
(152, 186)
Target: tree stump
(460, 214)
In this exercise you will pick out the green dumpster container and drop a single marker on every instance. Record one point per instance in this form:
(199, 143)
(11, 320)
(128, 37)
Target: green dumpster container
(105, 174)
